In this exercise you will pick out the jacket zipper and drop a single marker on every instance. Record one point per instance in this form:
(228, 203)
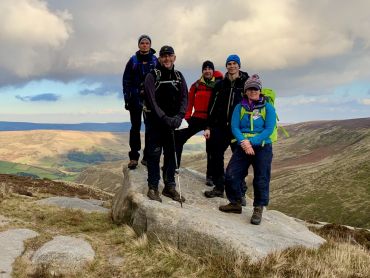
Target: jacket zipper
(228, 107)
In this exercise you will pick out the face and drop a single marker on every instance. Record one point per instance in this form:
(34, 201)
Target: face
(207, 73)
(232, 67)
(144, 46)
(253, 93)
(167, 60)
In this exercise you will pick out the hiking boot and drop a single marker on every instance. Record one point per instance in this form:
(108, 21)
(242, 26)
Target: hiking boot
(132, 164)
(231, 208)
(170, 192)
(153, 194)
(244, 201)
(209, 181)
(144, 162)
(214, 193)
(257, 215)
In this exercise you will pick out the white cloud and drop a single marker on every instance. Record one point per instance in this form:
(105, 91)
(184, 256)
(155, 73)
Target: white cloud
(365, 101)
(30, 34)
(301, 46)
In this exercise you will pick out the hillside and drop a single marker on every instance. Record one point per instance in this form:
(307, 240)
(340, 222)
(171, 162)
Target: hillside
(321, 172)
(64, 153)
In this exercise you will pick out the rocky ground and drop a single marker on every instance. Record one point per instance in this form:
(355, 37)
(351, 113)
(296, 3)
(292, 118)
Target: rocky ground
(54, 229)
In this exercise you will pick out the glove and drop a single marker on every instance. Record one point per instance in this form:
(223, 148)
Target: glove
(172, 122)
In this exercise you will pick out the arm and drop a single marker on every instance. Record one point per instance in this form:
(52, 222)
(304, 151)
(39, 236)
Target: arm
(127, 80)
(235, 124)
(184, 98)
(270, 123)
(191, 98)
(211, 105)
(149, 89)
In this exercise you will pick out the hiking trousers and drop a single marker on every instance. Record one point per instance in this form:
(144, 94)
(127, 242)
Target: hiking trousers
(160, 138)
(219, 141)
(237, 170)
(183, 135)
(135, 140)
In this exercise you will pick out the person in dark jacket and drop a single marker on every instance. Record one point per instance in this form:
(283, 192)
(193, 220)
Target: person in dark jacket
(225, 96)
(166, 98)
(253, 122)
(197, 112)
(141, 63)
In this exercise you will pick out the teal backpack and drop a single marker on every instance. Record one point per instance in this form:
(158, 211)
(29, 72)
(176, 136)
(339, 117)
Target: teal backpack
(270, 98)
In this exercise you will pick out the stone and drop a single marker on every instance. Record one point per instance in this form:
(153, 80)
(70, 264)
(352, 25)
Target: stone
(199, 226)
(11, 246)
(3, 221)
(75, 203)
(64, 255)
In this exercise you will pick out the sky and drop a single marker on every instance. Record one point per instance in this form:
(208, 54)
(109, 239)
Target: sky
(62, 61)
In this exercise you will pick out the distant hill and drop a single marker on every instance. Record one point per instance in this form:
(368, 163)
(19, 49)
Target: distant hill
(102, 127)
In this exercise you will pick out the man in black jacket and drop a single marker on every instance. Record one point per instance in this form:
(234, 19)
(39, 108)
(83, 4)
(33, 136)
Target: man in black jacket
(141, 63)
(166, 97)
(225, 96)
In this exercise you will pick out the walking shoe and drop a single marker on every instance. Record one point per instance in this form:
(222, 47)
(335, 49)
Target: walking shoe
(214, 193)
(153, 194)
(132, 164)
(244, 201)
(257, 215)
(144, 162)
(209, 181)
(170, 192)
(231, 208)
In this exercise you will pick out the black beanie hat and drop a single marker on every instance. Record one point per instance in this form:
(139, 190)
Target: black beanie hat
(142, 37)
(208, 64)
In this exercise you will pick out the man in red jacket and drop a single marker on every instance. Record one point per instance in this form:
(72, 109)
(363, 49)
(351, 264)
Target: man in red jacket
(196, 114)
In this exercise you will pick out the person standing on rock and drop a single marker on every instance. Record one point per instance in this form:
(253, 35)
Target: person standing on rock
(197, 112)
(253, 122)
(166, 98)
(141, 63)
(225, 96)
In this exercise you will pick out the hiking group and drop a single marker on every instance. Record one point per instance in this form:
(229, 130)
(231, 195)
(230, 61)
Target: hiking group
(232, 110)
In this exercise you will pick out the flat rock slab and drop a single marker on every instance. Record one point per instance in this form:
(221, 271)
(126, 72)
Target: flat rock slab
(199, 226)
(11, 246)
(75, 203)
(64, 255)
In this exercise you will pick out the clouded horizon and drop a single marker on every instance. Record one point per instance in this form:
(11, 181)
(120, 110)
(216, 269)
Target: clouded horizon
(62, 61)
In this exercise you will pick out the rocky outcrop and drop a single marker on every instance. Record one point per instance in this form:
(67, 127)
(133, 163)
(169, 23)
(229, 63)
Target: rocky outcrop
(199, 226)
(64, 255)
(11, 246)
(87, 205)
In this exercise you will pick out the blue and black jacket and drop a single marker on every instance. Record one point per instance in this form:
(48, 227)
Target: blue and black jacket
(137, 68)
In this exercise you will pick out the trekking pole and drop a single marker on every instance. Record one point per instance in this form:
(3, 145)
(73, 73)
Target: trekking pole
(177, 170)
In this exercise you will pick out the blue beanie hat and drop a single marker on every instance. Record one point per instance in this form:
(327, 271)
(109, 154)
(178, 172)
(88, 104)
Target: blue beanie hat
(233, 57)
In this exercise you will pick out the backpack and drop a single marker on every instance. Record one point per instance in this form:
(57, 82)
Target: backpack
(176, 83)
(270, 96)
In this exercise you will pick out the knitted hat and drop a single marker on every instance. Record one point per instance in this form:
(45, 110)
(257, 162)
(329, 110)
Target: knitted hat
(166, 49)
(142, 37)
(233, 57)
(208, 64)
(253, 82)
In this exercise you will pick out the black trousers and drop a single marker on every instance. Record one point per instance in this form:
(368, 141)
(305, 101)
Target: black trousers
(195, 125)
(160, 138)
(219, 141)
(135, 140)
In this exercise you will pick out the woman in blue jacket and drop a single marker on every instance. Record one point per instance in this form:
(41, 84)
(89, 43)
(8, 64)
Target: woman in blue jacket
(253, 122)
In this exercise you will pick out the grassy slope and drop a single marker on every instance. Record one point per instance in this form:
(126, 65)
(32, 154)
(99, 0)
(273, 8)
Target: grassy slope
(120, 252)
(17, 168)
